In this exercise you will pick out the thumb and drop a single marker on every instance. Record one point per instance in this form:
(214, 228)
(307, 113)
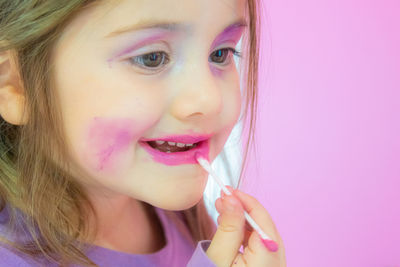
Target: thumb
(229, 236)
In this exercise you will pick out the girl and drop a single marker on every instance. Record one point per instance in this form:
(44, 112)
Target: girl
(103, 104)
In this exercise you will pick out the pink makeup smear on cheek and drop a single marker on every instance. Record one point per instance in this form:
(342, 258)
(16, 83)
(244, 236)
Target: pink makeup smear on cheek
(108, 138)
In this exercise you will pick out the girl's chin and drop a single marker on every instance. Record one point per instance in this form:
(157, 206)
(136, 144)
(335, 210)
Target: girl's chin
(180, 201)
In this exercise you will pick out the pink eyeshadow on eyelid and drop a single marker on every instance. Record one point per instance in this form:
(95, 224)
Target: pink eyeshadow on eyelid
(107, 138)
(140, 44)
(230, 34)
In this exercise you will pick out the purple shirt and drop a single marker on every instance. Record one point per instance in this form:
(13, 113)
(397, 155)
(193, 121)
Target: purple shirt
(178, 251)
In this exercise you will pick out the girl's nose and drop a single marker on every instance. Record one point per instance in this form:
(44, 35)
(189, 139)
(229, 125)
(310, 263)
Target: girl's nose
(198, 95)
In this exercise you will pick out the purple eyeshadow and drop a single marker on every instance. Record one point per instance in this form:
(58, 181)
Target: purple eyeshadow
(108, 138)
(231, 33)
(141, 43)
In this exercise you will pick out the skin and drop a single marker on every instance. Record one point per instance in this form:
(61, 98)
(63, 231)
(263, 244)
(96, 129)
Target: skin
(108, 104)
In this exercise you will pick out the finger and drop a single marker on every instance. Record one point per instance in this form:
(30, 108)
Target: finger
(247, 232)
(248, 228)
(230, 189)
(229, 235)
(260, 215)
(218, 205)
(222, 193)
(255, 253)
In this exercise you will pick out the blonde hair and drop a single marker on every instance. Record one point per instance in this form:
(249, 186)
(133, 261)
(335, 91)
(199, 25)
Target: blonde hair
(40, 196)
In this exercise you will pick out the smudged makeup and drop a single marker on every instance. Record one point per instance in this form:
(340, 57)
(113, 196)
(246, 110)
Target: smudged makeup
(109, 137)
(222, 45)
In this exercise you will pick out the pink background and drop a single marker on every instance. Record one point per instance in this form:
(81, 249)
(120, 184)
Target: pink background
(328, 142)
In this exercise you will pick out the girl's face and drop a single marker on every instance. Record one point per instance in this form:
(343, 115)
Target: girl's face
(132, 74)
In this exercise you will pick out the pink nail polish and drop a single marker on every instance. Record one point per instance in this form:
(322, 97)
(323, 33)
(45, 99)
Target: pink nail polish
(270, 244)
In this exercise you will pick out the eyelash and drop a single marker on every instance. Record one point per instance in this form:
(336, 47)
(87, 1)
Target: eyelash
(138, 60)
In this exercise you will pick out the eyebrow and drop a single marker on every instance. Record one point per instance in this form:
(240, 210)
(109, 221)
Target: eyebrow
(170, 26)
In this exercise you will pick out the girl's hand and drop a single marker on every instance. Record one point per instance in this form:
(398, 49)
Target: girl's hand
(233, 231)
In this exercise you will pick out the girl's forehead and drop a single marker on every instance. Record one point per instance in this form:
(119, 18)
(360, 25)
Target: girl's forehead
(189, 15)
(197, 24)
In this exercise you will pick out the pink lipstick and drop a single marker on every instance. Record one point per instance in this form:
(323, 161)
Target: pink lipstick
(177, 149)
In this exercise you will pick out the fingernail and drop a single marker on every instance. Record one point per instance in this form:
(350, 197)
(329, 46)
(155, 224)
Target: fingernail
(270, 244)
(230, 188)
(222, 194)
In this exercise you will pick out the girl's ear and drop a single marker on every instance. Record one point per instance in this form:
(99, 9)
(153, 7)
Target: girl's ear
(12, 99)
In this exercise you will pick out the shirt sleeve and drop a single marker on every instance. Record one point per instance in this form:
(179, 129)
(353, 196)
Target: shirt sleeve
(199, 257)
(10, 259)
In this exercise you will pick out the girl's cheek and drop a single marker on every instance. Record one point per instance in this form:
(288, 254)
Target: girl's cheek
(108, 141)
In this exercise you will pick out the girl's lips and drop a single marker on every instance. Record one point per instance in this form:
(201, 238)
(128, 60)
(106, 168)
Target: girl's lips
(178, 158)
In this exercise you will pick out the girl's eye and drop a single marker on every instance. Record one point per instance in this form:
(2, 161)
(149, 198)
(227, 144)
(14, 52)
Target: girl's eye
(219, 56)
(153, 60)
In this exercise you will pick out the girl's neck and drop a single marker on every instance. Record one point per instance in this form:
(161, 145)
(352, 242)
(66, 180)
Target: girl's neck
(133, 228)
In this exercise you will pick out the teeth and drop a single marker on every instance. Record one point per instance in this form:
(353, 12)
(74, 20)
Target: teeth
(161, 142)
(180, 145)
